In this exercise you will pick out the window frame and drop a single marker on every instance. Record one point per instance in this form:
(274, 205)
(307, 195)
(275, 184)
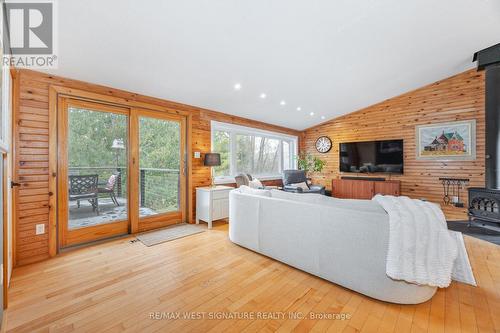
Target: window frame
(234, 130)
(5, 91)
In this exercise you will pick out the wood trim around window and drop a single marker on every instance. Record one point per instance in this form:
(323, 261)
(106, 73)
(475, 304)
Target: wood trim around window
(237, 129)
(112, 100)
(5, 219)
(57, 92)
(162, 219)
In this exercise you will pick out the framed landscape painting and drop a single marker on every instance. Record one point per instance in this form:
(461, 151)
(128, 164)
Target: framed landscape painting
(447, 141)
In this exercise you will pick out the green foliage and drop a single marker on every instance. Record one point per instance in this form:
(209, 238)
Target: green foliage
(221, 146)
(310, 163)
(91, 136)
(90, 140)
(159, 143)
(161, 190)
(254, 154)
(257, 155)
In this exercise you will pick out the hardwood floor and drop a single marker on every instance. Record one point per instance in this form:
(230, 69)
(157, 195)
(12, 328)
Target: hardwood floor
(121, 287)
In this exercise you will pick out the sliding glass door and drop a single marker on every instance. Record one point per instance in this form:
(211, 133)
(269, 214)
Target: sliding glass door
(93, 164)
(161, 169)
(119, 170)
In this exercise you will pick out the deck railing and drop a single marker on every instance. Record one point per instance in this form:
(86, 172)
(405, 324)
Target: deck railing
(157, 187)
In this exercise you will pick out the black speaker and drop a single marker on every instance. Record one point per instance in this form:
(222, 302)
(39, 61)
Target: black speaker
(373, 179)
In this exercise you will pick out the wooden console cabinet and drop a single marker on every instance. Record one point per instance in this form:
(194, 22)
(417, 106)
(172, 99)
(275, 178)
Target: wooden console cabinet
(364, 189)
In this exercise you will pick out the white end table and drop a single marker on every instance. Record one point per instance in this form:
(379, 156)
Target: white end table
(212, 203)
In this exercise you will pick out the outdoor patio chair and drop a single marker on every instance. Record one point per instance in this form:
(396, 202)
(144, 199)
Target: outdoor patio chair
(84, 187)
(110, 188)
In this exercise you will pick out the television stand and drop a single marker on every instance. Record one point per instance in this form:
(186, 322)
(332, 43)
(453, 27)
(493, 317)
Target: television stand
(364, 187)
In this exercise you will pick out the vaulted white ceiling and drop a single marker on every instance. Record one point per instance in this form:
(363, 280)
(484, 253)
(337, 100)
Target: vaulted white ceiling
(327, 57)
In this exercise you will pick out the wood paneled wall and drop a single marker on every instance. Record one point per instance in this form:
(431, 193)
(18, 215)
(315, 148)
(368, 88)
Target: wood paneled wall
(457, 98)
(31, 150)
(460, 97)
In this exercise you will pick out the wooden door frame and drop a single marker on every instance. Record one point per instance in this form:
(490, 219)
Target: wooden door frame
(164, 219)
(56, 91)
(5, 218)
(81, 235)
(14, 162)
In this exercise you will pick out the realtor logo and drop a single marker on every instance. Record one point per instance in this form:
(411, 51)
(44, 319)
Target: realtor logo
(28, 34)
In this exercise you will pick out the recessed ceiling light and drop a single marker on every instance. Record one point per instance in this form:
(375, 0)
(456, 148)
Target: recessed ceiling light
(311, 114)
(322, 117)
(237, 86)
(299, 108)
(263, 95)
(282, 103)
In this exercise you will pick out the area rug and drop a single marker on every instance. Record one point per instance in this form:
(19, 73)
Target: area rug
(174, 232)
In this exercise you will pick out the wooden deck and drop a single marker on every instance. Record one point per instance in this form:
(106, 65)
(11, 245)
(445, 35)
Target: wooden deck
(85, 216)
(119, 286)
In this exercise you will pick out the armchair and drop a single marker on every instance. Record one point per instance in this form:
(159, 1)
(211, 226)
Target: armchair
(109, 188)
(84, 187)
(246, 179)
(291, 177)
(243, 179)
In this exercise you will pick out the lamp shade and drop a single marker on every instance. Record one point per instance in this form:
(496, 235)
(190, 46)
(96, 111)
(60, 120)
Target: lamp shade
(212, 159)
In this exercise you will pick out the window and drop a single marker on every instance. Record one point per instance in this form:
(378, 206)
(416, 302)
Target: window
(287, 156)
(260, 153)
(220, 144)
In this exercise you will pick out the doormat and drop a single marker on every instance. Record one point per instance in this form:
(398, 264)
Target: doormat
(170, 233)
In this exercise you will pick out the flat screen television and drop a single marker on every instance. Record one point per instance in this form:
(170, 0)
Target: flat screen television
(372, 156)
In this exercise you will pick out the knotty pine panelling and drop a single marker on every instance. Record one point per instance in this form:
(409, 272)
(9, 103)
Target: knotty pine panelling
(460, 97)
(31, 151)
(31, 135)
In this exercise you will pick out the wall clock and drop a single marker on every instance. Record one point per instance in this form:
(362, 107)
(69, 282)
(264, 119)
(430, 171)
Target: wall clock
(323, 144)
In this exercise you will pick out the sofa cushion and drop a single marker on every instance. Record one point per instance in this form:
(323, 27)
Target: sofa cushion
(302, 197)
(358, 204)
(253, 191)
(362, 205)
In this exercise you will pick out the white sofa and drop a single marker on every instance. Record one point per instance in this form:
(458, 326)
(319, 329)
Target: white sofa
(342, 241)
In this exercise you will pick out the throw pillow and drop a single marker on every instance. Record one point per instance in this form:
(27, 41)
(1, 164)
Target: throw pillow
(302, 185)
(255, 183)
(253, 191)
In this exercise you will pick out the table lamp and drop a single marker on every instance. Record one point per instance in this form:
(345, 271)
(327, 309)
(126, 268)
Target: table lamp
(211, 160)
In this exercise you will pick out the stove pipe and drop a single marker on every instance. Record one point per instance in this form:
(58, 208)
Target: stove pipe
(489, 60)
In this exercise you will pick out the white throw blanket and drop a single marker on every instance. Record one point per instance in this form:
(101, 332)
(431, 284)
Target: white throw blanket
(421, 249)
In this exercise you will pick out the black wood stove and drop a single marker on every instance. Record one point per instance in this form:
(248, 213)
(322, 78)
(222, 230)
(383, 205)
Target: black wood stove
(484, 205)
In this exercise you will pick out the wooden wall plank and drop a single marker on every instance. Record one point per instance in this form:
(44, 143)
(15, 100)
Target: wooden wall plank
(460, 97)
(457, 98)
(32, 142)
